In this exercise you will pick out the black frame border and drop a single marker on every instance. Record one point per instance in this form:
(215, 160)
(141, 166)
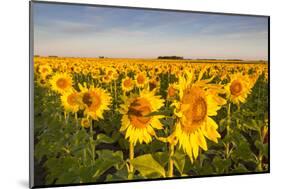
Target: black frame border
(31, 94)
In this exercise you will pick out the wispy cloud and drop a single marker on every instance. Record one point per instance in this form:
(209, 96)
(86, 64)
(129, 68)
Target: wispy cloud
(92, 31)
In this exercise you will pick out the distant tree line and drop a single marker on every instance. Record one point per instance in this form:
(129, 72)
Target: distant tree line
(171, 57)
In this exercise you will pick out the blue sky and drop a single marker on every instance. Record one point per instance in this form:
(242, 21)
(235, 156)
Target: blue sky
(84, 31)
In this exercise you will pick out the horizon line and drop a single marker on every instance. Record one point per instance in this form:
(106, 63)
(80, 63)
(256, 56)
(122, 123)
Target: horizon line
(155, 58)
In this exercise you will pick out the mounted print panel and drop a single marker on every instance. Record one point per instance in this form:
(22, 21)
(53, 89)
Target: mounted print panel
(122, 94)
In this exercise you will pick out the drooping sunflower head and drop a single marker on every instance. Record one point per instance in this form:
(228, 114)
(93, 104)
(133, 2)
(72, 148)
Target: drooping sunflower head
(61, 82)
(95, 101)
(127, 84)
(238, 88)
(137, 121)
(193, 111)
(71, 101)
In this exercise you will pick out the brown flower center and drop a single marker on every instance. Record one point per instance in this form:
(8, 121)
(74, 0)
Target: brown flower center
(42, 81)
(96, 101)
(194, 107)
(110, 72)
(44, 70)
(138, 111)
(106, 78)
(72, 99)
(62, 83)
(236, 87)
(171, 91)
(140, 79)
(152, 85)
(87, 99)
(127, 83)
(199, 110)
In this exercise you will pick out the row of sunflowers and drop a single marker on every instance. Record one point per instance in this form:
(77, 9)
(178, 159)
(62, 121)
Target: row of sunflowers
(99, 120)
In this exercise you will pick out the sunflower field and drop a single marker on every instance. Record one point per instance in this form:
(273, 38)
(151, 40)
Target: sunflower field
(104, 120)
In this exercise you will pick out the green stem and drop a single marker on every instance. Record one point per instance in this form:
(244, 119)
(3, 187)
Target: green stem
(65, 117)
(92, 143)
(111, 88)
(76, 119)
(228, 118)
(171, 161)
(227, 150)
(131, 156)
(260, 156)
(168, 77)
(84, 157)
(260, 163)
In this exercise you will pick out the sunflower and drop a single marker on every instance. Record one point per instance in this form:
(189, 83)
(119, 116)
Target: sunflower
(193, 109)
(71, 101)
(95, 73)
(172, 91)
(42, 82)
(85, 122)
(106, 79)
(141, 79)
(95, 101)
(77, 69)
(127, 84)
(112, 73)
(153, 83)
(61, 82)
(85, 71)
(238, 88)
(45, 70)
(136, 122)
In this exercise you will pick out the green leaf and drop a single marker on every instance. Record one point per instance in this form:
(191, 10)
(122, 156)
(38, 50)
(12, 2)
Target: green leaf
(119, 175)
(161, 157)
(106, 160)
(86, 173)
(102, 138)
(242, 151)
(110, 156)
(101, 166)
(67, 177)
(221, 164)
(252, 126)
(147, 165)
(240, 169)
(63, 170)
(156, 146)
(262, 147)
(179, 161)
